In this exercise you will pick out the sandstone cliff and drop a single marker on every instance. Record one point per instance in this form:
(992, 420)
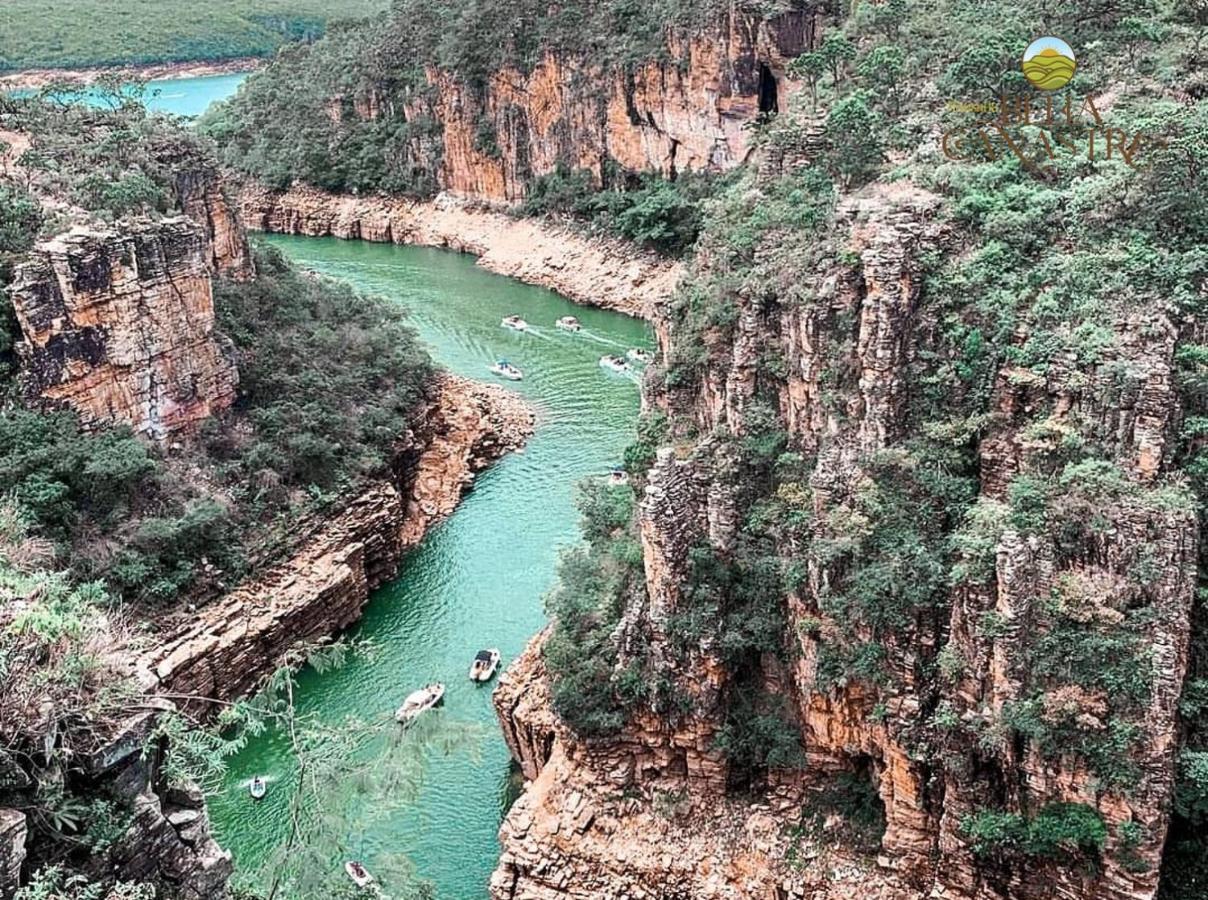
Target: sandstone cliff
(119, 326)
(650, 812)
(162, 835)
(684, 113)
(117, 320)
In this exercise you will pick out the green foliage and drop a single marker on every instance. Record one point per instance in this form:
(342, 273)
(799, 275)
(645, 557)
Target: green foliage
(882, 69)
(112, 161)
(70, 485)
(55, 883)
(592, 690)
(662, 215)
(330, 379)
(853, 133)
(1057, 831)
(284, 125)
(891, 549)
(641, 454)
(20, 219)
(78, 33)
(760, 734)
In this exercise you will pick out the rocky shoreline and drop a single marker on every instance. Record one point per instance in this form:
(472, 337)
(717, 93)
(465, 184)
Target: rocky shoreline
(35, 79)
(611, 274)
(227, 649)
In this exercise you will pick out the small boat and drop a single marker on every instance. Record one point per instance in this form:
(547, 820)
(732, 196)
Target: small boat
(515, 323)
(358, 873)
(637, 354)
(258, 788)
(569, 323)
(505, 369)
(615, 364)
(618, 477)
(484, 665)
(419, 702)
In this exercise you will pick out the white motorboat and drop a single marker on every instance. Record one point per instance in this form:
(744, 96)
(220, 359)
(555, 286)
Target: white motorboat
(569, 323)
(360, 876)
(618, 477)
(484, 665)
(614, 364)
(419, 702)
(505, 369)
(637, 354)
(515, 323)
(258, 788)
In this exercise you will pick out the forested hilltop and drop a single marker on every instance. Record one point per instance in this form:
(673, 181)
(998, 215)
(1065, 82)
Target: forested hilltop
(80, 33)
(523, 101)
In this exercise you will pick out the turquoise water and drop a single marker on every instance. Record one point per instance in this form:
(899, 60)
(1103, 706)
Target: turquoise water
(178, 96)
(477, 580)
(191, 96)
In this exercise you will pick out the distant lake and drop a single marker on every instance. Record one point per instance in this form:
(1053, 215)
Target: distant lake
(178, 96)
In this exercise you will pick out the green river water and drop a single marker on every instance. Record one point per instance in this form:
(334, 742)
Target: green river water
(478, 579)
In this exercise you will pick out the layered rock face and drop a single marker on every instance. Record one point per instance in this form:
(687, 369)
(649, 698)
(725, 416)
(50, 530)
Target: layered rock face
(226, 650)
(202, 197)
(607, 273)
(684, 113)
(118, 322)
(648, 812)
(119, 326)
(166, 843)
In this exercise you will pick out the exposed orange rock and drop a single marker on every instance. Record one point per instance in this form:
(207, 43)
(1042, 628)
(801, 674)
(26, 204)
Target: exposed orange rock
(119, 326)
(683, 113)
(599, 817)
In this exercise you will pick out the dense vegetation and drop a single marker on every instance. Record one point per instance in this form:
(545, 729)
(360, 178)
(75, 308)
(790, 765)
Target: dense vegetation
(307, 118)
(1045, 261)
(330, 383)
(665, 216)
(96, 525)
(77, 33)
(595, 584)
(105, 162)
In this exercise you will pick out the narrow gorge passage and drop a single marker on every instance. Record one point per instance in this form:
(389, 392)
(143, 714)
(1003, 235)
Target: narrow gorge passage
(476, 581)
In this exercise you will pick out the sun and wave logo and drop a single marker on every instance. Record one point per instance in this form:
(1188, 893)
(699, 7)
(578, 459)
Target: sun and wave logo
(1049, 63)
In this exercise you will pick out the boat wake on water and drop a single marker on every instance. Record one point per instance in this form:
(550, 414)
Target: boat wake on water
(601, 339)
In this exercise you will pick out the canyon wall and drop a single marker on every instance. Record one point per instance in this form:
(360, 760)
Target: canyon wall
(649, 812)
(611, 274)
(687, 111)
(225, 650)
(165, 841)
(119, 326)
(117, 323)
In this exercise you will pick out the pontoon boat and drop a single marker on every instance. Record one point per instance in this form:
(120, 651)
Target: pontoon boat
(419, 702)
